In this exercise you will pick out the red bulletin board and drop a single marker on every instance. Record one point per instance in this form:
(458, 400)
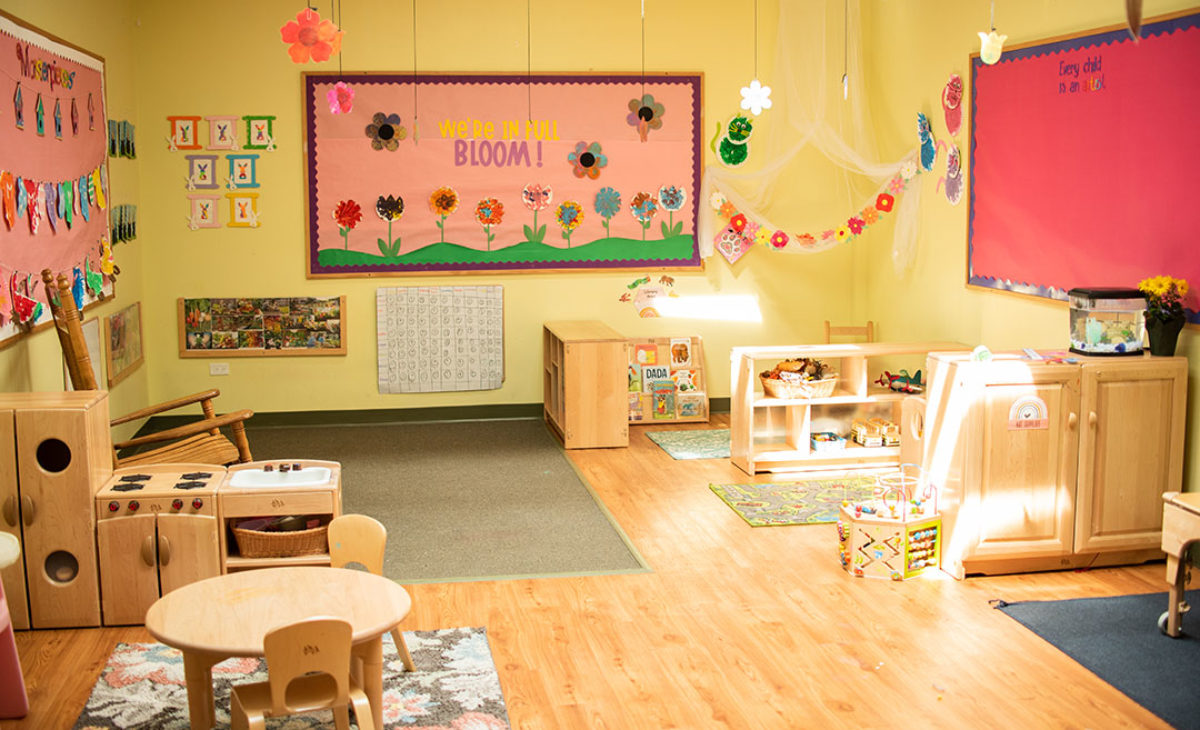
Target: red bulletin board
(494, 138)
(67, 156)
(1083, 154)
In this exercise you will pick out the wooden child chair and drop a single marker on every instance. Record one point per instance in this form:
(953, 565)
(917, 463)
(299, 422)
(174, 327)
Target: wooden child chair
(198, 442)
(362, 539)
(308, 669)
(867, 331)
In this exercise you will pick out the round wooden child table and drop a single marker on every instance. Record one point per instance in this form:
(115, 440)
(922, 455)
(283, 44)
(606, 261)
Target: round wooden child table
(228, 615)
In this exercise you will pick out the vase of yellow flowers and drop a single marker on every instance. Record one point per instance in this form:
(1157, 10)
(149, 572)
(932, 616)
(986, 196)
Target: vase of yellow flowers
(1164, 312)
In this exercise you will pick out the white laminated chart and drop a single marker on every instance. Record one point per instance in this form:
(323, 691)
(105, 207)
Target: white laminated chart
(440, 338)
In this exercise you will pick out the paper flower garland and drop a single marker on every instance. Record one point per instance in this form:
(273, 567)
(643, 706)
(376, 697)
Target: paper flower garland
(536, 197)
(756, 97)
(587, 160)
(489, 212)
(608, 204)
(340, 98)
(347, 214)
(310, 37)
(645, 114)
(385, 131)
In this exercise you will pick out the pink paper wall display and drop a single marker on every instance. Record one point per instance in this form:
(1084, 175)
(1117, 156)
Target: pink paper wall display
(1083, 153)
(467, 159)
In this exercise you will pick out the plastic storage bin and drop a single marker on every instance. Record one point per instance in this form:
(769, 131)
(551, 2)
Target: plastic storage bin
(1107, 321)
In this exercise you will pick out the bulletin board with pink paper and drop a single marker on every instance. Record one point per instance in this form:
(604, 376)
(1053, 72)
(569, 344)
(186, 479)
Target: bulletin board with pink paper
(1083, 159)
(53, 173)
(432, 173)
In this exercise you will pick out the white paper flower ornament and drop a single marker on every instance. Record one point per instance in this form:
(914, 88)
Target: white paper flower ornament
(756, 97)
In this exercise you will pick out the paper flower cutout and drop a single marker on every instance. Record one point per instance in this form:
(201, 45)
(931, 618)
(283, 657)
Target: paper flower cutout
(587, 159)
(716, 200)
(536, 197)
(608, 204)
(643, 207)
(645, 114)
(385, 131)
(489, 212)
(756, 97)
(671, 198)
(884, 202)
(855, 225)
(443, 202)
(779, 239)
(310, 37)
(928, 148)
(340, 98)
(569, 216)
(347, 214)
(738, 222)
(990, 45)
(389, 209)
(952, 95)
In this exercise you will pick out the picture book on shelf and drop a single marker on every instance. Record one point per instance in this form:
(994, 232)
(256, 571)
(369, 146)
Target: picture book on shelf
(664, 399)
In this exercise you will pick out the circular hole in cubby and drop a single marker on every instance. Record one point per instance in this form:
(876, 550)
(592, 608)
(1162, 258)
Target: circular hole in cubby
(53, 455)
(61, 566)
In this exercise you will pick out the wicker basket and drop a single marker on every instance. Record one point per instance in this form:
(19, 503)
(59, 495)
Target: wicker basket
(259, 544)
(776, 388)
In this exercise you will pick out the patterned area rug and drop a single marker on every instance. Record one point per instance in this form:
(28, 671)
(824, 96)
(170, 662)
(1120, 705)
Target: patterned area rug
(806, 502)
(455, 687)
(709, 443)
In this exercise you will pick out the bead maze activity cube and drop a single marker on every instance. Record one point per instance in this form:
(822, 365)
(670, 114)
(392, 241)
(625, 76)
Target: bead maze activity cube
(894, 534)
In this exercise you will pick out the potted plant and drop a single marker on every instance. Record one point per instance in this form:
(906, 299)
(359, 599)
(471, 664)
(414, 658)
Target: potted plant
(1164, 312)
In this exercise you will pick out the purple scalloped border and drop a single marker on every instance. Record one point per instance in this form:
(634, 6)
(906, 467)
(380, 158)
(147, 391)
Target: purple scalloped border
(311, 80)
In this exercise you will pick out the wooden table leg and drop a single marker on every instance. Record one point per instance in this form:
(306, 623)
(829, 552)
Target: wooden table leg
(197, 673)
(371, 654)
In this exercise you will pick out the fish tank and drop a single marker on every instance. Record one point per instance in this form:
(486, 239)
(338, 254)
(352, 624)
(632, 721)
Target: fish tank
(1107, 321)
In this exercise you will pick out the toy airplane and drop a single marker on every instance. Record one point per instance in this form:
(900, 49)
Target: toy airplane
(902, 382)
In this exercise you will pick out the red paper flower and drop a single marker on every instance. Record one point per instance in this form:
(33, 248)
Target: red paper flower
(738, 222)
(805, 239)
(884, 202)
(347, 214)
(856, 225)
(310, 37)
(779, 239)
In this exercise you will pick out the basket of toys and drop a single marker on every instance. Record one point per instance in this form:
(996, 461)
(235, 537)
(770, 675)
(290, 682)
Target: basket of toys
(279, 537)
(803, 377)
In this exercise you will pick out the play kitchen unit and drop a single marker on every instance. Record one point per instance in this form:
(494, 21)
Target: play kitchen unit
(99, 546)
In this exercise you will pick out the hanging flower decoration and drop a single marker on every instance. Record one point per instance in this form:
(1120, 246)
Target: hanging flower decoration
(489, 212)
(869, 215)
(536, 197)
(569, 216)
(643, 207)
(761, 235)
(443, 202)
(587, 159)
(389, 209)
(738, 222)
(608, 204)
(310, 37)
(884, 202)
(756, 97)
(340, 98)
(385, 131)
(672, 198)
(856, 225)
(645, 114)
(779, 239)
(347, 214)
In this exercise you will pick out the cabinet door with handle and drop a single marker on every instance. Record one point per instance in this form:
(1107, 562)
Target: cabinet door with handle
(187, 550)
(1130, 451)
(128, 568)
(10, 522)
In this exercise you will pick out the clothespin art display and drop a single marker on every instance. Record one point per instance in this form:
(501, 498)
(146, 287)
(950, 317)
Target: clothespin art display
(93, 280)
(26, 309)
(108, 266)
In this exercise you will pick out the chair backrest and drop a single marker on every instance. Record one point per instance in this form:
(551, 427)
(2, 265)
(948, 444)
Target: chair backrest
(70, 331)
(315, 646)
(357, 539)
(867, 331)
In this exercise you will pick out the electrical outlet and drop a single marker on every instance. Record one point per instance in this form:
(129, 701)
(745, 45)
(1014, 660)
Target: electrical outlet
(218, 368)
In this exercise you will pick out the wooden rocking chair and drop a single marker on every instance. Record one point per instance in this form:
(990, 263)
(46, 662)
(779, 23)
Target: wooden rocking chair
(198, 442)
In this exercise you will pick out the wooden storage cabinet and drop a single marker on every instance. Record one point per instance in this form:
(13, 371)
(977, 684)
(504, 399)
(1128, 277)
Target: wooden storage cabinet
(772, 434)
(585, 384)
(1045, 466)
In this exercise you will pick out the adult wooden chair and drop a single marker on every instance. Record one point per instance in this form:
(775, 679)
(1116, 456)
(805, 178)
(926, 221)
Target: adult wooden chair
(198, 442)
(308, 669)
(867, 331)
(362, 539)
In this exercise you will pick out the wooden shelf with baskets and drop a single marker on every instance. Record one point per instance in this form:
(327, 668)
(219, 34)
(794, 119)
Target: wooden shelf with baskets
(773, 434)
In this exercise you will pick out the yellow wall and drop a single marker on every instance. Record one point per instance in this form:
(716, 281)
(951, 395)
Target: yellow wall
(932, 301)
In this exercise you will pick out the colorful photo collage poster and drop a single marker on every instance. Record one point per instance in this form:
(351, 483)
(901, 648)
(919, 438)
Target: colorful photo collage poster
(297, 325)
(666, 380)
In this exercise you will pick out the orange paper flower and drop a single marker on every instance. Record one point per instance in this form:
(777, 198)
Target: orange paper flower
(310, 37)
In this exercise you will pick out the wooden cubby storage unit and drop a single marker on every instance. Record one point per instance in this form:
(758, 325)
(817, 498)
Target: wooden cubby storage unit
(772, 434)
(585, 384)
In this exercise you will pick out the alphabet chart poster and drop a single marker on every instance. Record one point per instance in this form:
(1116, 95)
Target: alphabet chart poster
(480, 173)
(1083, 152)
(437, 339)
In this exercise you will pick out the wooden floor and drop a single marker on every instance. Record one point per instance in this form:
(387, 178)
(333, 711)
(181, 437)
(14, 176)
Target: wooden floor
(735, 627)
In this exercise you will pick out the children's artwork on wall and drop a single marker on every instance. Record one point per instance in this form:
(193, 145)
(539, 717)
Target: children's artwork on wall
(1080, 110)
(123, 339)
(579, 190)
(437, 339)
(243, 171)
(952, 104)
(202, 172)
(262, 326)
(222, 133)
(645, 293)
(203, 211)
(243, 210)
(125, 140)
(53, 214)
(184, 131)
(260, 132)
(124, 223)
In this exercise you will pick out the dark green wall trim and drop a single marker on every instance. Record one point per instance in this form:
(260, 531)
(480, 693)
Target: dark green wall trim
(387, 415)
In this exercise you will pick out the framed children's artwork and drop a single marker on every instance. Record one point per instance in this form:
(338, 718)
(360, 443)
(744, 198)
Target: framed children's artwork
(260, 132)
(123, 342)
(203, 212)
(202, 172)
(243, 171)
(262, 326)
(183, 133)
(243, 210)
(661, 364)
(222, 133)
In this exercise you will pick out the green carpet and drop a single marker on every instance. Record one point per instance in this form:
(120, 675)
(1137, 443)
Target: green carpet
(465, 500)
(708, 443)
(807, 502)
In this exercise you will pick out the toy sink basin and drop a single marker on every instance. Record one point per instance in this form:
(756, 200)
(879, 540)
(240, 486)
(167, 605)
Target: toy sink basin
(309, 476)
